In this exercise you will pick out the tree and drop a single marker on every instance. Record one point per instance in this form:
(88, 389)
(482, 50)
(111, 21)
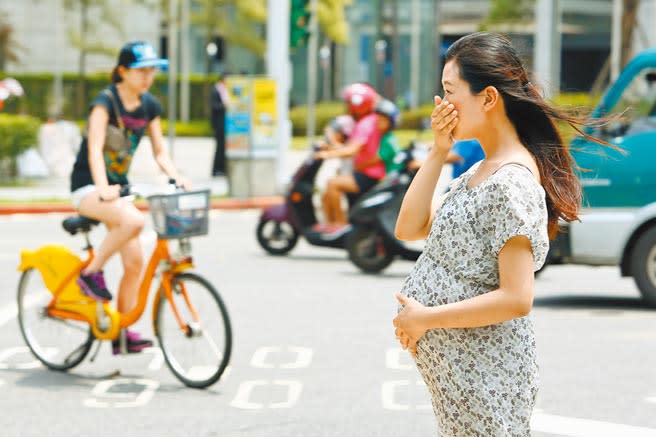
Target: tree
(629, 23)
(9, 47)
(236, 21)
(88, 39)
(332, 20)
(509, 11)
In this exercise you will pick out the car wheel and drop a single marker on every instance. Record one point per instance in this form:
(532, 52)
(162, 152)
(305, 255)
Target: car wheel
(643, 265)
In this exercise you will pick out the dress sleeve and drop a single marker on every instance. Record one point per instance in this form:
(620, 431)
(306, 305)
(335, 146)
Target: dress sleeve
(517, 206)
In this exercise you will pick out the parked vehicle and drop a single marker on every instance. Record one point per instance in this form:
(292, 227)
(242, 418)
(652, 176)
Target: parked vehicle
(618, 220)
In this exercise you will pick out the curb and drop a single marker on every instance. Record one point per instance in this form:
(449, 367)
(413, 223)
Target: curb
(224, 204)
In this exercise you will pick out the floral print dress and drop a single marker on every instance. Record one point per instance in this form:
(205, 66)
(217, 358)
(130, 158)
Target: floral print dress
(482, 381)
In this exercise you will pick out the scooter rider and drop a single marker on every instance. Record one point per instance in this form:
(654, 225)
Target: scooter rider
(363, 146)
(390, 148)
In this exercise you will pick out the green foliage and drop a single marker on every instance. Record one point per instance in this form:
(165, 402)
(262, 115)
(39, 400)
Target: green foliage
(332, 20)
(85, 35)
(237, 21)
(507, 11)
(194, 128)
(39, 90)
(324, 111)
(17, 134)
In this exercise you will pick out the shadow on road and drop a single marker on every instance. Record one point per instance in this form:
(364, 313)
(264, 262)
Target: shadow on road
(592, 302)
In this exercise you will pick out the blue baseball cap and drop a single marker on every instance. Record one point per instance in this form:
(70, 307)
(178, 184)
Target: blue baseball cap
(141, 54)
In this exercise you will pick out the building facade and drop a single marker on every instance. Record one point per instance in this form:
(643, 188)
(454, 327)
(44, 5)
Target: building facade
(397, 45)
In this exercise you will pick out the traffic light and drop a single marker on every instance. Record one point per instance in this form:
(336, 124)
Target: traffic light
(299, 23)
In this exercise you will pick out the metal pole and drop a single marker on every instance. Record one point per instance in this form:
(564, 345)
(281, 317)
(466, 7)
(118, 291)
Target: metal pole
(414, 52)
(546, 55)
(279, 69)
(616, 40)
(173, 71)
(312, 54)
(437, 26)
(58, 81)
(185, 58)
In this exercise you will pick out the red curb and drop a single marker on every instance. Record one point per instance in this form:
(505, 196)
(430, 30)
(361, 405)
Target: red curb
(227, 204)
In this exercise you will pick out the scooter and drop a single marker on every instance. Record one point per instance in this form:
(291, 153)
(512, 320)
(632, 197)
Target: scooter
(280, 226)
(371, 243)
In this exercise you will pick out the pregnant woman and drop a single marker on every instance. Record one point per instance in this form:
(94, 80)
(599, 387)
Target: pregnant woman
(465, 303)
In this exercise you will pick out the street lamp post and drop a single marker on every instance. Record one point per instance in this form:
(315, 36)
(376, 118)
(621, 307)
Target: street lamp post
(380, 47)
(324, 57)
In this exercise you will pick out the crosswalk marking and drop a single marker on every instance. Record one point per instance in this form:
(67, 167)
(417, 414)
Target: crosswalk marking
(105, 396)
(243, 397)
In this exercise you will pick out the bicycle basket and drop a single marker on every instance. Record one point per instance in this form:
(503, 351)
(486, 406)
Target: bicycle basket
(180, 215)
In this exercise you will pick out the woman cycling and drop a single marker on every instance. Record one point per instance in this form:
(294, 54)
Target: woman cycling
(100, 171)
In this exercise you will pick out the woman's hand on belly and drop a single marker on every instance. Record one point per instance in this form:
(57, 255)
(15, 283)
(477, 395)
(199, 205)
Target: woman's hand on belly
(410, 323)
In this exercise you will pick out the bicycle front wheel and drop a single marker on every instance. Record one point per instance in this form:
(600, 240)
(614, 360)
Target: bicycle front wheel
(60, 344)
(199, 356)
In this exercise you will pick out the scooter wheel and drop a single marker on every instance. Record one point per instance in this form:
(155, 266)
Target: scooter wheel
(276, 237)
(367, 249)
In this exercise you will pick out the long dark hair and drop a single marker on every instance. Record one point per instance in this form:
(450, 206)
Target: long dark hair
(489, 59)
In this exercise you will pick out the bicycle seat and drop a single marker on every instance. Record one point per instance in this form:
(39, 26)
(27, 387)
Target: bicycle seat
(78, 223)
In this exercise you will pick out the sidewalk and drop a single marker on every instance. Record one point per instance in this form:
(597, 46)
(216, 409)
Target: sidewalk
(192, 156)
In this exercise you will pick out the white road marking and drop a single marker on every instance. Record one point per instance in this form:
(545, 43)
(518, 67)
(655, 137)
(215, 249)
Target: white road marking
(294, 389)
(260, 355)
(388, 394)
(393, 359)
(303, 357)
(106, 399)
(246, 388)
(575, 427)
(241, 399)
(389, 388)
(651, 399)
(158, 358)
(12, 351)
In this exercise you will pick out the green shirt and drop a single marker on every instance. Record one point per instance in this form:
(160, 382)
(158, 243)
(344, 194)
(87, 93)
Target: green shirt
(389, 148)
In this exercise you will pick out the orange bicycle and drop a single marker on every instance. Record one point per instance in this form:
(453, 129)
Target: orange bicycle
(60, 324)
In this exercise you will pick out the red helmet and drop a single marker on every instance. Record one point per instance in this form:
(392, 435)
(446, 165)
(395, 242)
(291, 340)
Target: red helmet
(360, 99)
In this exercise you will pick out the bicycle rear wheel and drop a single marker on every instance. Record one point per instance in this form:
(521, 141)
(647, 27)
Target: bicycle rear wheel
(197, 358)
(60, 344)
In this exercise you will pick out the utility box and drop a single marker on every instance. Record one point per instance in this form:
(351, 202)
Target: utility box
(251, 136)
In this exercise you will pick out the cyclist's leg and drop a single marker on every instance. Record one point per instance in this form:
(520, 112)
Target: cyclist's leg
(123, 220)
(344, 183)
(132, 259)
